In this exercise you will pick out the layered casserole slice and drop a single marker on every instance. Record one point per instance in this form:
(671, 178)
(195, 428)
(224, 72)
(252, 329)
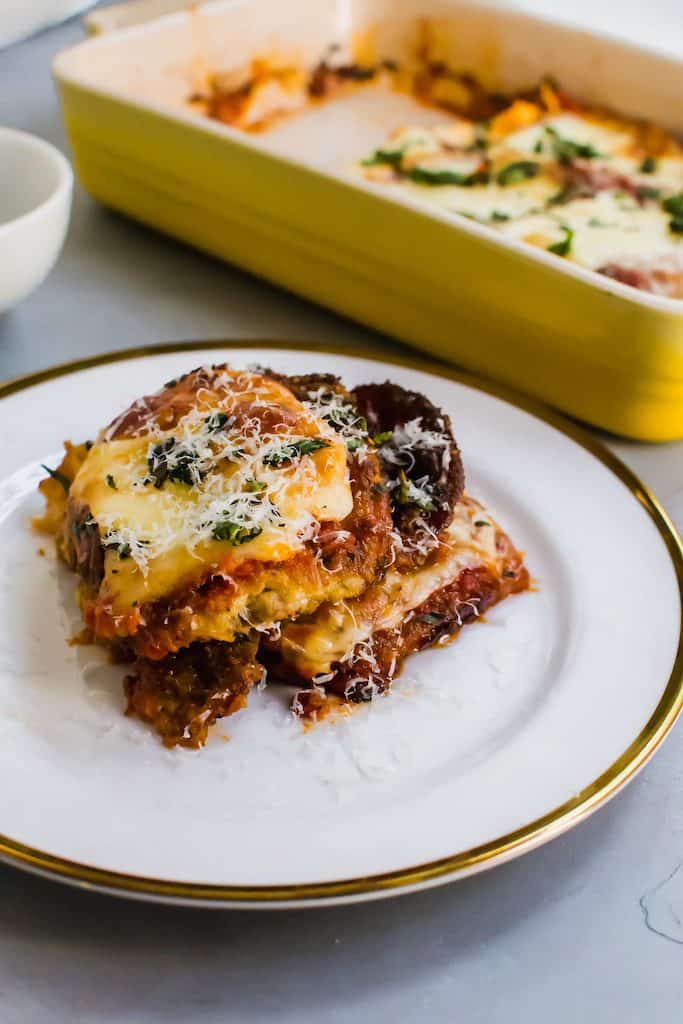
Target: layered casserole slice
(449, 562)
(239, 523)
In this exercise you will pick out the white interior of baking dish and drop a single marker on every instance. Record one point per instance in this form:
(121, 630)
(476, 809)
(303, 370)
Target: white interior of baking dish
(162, 63)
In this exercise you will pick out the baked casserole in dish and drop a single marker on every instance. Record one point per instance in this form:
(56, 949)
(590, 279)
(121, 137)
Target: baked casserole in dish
(496, 188)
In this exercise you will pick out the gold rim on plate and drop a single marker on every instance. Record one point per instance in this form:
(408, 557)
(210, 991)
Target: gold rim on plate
(467, 861)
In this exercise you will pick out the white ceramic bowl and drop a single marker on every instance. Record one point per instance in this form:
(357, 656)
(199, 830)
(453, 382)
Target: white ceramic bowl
(36, 183)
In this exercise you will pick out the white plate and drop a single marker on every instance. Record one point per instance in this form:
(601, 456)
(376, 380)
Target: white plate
(482, 750)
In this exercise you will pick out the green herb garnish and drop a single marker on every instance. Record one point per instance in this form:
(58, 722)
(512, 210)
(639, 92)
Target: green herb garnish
(111, 482)
(648, 192)
(517, 172)
(59, 477)
(409, 494)
(481, 522)
(674, 206)
(568, 192)
(566, 150)
(427, 176)
(171, 383)
(648, 166)
(563, 248)
(171, 461)
(431, 618)
(234, 533)
(255, 486)
(294, 450)
(392, 157)
(354, 443)
(216, 421)
(382, 437)
(344, 416)
(498, 215)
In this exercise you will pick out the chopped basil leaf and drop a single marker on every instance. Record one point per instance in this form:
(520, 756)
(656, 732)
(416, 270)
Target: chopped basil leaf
(392, 157)
(345, 416)
(563, 248)
(674, 205)
(410, 494)
(234, 533)
(648, 192)
(290, 452)
(568, 192)
(538, 148)
(59, 477)
(255, 486)
(427, 176)
(111, 482)
(498, 215)
(354, 443)
(517, 172)
(382, 438)
(216, 421)
(648, 166)
(171, 461)
(566, 150)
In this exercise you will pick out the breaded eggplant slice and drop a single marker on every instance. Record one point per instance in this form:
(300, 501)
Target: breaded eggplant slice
(421, 463)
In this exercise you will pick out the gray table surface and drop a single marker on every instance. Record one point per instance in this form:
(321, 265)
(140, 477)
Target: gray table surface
(587, 928)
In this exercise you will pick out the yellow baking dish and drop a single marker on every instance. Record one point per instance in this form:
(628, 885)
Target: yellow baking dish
(284, 204)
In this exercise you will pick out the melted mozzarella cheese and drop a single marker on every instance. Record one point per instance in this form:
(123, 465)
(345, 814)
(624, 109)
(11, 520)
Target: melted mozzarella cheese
(623, 223)
(244, 503)
(603, 139)
(486, 202)
(607, 229)
(334, 631)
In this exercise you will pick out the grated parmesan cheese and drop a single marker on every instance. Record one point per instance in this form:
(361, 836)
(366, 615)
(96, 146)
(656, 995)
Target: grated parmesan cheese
(246, 472)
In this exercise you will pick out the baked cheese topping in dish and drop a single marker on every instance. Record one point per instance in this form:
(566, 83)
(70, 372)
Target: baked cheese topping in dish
(600, 192)
(584, 184)
(242, 525)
